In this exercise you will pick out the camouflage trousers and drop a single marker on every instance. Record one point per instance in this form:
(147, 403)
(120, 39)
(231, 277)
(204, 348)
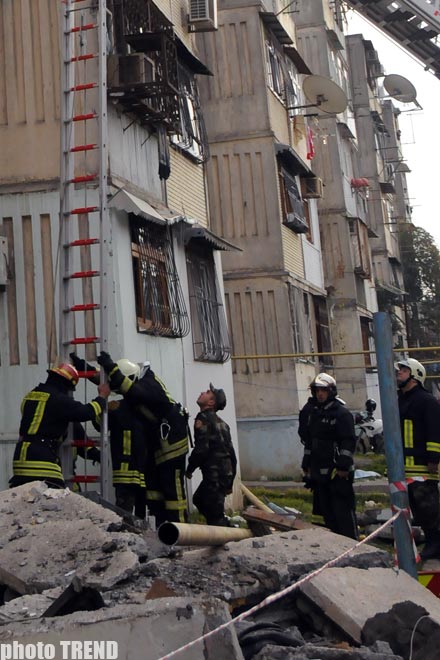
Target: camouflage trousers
(209, 499)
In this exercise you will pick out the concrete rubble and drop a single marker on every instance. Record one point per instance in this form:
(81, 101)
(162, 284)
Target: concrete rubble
(71, 570)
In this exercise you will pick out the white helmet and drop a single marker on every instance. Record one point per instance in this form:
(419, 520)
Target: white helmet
(129, 369)
(417, 370)
(324, 380)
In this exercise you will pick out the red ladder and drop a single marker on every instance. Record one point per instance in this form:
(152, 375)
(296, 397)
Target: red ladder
(83, 201)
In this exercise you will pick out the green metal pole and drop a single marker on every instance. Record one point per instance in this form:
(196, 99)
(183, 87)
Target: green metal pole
(393, 441)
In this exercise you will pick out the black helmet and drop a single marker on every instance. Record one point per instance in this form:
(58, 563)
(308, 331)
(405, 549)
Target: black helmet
(370, 405)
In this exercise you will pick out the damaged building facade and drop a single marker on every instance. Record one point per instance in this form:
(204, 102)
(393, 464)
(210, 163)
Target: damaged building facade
(164, 287)
(310, 197)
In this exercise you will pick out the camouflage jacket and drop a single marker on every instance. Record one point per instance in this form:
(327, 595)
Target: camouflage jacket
(213, 451)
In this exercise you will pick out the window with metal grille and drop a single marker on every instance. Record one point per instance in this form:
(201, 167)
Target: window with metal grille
(160, 306)
(191, 135)
(210, 335)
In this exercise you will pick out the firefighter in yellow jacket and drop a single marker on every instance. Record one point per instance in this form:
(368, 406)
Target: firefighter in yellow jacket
(167, 431)
(46, 413)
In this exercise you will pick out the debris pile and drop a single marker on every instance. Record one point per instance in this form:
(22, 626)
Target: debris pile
(72, 569)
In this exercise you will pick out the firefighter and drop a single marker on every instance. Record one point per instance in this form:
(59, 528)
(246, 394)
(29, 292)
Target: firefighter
(214, 454)
(419, 413)
(128, 441)
(46, 412)
(128, 444)
(167, 430)
(326, 429)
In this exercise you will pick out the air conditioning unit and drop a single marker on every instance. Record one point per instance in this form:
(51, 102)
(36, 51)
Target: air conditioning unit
(311, 187)
(296, 223)
(202, 15)
(128, 70)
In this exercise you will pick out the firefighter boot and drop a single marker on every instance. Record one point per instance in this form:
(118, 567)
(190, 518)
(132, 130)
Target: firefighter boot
(431, 549)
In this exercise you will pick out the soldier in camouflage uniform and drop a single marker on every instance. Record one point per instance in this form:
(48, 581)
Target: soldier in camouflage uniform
(214, 454)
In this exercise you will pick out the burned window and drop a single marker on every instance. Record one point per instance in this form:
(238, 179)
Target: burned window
(191, 136)
(160, 307)
(210, 335)
(291, 203)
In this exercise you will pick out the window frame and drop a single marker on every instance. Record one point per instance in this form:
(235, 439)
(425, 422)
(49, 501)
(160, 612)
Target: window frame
(210, 336)
(159, 303)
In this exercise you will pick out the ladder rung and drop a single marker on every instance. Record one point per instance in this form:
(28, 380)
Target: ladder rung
(82, 209)
(85, 307)
(87, 374)
(83, 147)
(82, 58)
(85, 443)
(82, 28)
(84, 479)
(82, 86)
(83, 340)
(84, 178)
(89, 115)
(83, 241)
(83, 273)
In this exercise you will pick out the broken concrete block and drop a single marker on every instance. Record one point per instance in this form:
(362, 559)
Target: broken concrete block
(349, 597)
(245, 573)
(141, 632)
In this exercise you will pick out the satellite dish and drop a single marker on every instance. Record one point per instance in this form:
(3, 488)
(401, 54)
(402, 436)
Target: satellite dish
(325, 94)
(400, 88)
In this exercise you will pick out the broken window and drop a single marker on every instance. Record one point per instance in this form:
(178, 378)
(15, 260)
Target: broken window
(160, 307)
(301, 321)
(292, 205)
(210, 335)
(191, 135)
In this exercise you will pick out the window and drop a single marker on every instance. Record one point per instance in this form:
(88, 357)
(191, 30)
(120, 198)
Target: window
(274, 70)
(301, 322)
(192, 136)
(291, 203)
(360, 248)
(210, 336)
(322, 331)
(366, 339)
(160, 307)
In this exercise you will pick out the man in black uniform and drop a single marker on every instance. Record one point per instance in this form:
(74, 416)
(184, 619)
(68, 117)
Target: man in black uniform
(46, 413)
(420, 426)
(166, 436)
(214, 454)
(326, 429)
(128, 444)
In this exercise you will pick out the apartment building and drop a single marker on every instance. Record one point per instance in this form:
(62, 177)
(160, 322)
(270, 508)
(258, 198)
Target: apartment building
(164, 288)
(263, 195)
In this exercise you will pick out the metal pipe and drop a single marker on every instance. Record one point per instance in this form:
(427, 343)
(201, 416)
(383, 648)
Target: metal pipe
(262, 356)
(393, 441)
(173, 533)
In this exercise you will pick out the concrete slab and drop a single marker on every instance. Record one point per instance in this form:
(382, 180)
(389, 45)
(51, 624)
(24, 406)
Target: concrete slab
(349, 596)
(251, 569)
(50, 536)
(141, 632)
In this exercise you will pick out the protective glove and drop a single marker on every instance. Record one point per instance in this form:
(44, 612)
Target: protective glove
(82, 365)
(106, 362)
(78, 363)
